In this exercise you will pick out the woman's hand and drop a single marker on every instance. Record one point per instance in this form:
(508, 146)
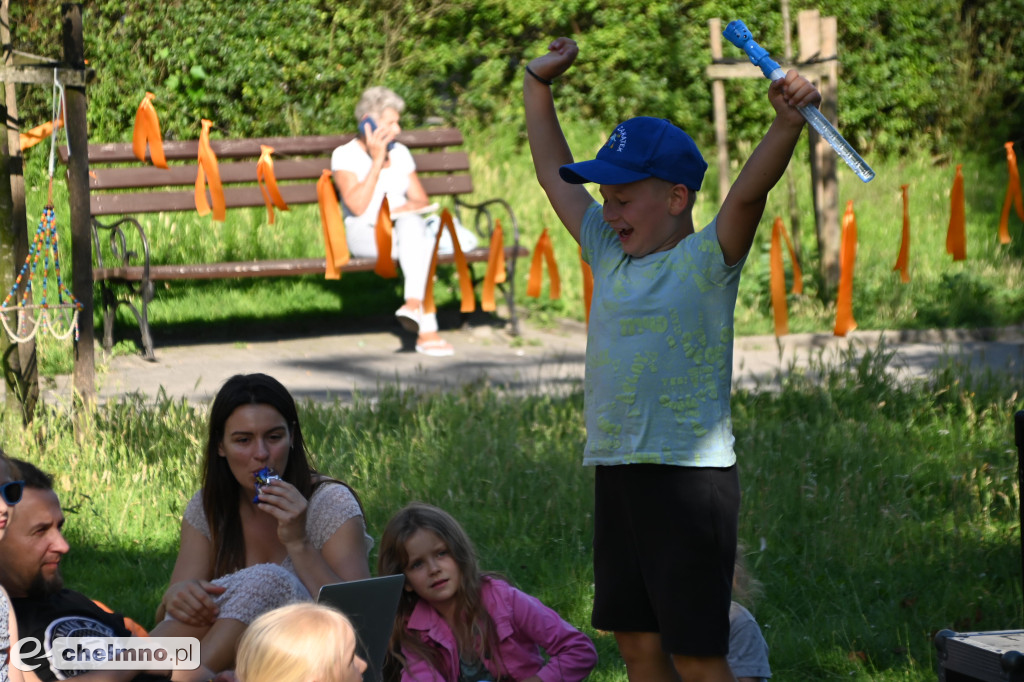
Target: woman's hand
(191, 602)
(377, 141)
(285, 503)
(562, 52)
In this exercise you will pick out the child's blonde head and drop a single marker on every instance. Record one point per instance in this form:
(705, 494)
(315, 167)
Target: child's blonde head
(298, 643)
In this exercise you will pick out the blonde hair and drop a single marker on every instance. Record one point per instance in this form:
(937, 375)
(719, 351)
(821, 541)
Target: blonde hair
(295, 643)
(745, 587)
(376, 100)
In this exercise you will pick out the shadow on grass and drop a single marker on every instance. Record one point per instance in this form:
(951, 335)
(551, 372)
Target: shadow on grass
(130, 579)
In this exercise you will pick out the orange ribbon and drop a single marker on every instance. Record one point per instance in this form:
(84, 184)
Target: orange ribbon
(544, 252)
(903, 260)
(382, 231)
(36, 135)
(798, 274)
(335, 245)
(956, 240)
(495, 273)
(147, 130)
(208, 167)
(132, 626)
(1013, 195)
(461, 266)
(777, 278)
(847, 257)
(588, 286)
(268, 183)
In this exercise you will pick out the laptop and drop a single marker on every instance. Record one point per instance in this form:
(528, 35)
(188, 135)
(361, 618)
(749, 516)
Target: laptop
(371, 606)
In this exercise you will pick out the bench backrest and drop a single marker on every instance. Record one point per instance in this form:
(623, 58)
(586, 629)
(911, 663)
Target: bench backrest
(114, 171)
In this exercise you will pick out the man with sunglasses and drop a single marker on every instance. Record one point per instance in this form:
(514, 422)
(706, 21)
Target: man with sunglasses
(30, 556)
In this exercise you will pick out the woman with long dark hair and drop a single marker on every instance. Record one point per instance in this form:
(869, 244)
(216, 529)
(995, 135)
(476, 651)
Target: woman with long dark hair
(247, 549)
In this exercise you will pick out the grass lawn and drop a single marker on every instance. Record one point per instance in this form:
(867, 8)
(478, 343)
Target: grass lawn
(875, 512)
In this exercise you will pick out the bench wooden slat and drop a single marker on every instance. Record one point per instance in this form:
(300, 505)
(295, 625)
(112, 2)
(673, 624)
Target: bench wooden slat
(244, 171)
(267, 268)
(236, 197)
(303, 145)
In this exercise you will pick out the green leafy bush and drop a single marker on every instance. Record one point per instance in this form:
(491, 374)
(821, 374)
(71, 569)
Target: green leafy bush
(927, 75)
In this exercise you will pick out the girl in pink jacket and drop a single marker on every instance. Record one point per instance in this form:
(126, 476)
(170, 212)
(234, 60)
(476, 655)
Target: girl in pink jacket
(456, 625)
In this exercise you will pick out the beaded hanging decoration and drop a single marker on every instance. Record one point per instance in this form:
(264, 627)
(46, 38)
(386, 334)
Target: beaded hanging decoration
(44, 248)
(31, 316)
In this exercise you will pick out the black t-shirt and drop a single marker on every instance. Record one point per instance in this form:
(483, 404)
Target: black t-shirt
(65, 614)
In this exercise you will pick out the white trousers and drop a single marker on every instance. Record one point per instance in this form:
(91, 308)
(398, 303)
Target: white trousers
(411, 246)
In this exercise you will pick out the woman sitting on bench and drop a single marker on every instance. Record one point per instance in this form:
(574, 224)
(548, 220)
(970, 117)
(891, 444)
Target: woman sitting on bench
(370, 167)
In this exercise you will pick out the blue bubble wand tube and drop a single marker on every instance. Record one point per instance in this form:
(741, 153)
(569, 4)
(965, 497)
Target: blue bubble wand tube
(739, 35)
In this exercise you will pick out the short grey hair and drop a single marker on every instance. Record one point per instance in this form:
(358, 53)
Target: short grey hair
(376, 100)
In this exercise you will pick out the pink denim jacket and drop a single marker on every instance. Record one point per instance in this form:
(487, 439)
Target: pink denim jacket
(523, 625)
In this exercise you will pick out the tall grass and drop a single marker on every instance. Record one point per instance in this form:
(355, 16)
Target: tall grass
(981, 291)
(876, 512)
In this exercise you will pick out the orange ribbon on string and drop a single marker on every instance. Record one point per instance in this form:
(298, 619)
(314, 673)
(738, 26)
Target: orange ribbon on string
(335, 245)
(544, 252)
(382, 232)
(1013, 195)
(495, 273)
(36, 135)
(147, 130)
(208, 168)
(588, 286)
(268, 183)
(847, 258)
(798, 274)
(461, 266)
(956, 238)
(777, 278)
(903, 259)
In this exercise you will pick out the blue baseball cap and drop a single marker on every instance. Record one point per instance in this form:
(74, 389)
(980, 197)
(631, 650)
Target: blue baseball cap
(639, 148)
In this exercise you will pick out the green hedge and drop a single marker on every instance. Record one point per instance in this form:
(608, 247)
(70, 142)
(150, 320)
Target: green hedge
(932, 75)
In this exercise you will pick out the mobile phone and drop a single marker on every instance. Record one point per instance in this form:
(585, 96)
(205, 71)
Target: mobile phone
(373, 126)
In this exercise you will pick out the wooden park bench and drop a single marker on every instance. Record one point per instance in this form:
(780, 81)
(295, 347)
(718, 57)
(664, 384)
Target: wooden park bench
(120, 185)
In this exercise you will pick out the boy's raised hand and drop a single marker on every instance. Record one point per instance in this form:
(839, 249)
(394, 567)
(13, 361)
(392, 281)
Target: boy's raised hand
(791, 92)
(562, 52)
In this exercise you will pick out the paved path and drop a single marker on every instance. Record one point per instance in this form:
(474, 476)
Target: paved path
(339, 366)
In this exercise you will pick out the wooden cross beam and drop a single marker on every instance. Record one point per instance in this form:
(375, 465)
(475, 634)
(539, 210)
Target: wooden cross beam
(42, 74)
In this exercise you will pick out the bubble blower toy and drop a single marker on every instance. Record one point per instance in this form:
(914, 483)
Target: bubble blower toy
(263, 477)
(739, 35)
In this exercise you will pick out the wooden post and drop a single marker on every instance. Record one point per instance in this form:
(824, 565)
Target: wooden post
(818, 43)
(718, 105)
(83, 379)
(21, 377)
(794, 209)
(818, 62)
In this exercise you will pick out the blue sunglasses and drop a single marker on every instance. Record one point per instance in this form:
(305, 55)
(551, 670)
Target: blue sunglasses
(11, 492)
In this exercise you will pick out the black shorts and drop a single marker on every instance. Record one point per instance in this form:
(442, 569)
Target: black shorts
(664, 552)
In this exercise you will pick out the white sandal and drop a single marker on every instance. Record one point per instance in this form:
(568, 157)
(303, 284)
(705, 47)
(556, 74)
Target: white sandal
(409, 318)
(435, 348)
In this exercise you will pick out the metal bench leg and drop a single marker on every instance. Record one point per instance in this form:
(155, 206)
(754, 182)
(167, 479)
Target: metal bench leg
(109, 303)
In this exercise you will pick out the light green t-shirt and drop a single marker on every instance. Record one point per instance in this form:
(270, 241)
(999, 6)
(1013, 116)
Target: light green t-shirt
(659, 351)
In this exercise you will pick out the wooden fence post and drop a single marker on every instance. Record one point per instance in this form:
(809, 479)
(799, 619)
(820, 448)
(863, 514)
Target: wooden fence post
(21, 376)
(818, 43)
(75, 123)
(818, 62)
